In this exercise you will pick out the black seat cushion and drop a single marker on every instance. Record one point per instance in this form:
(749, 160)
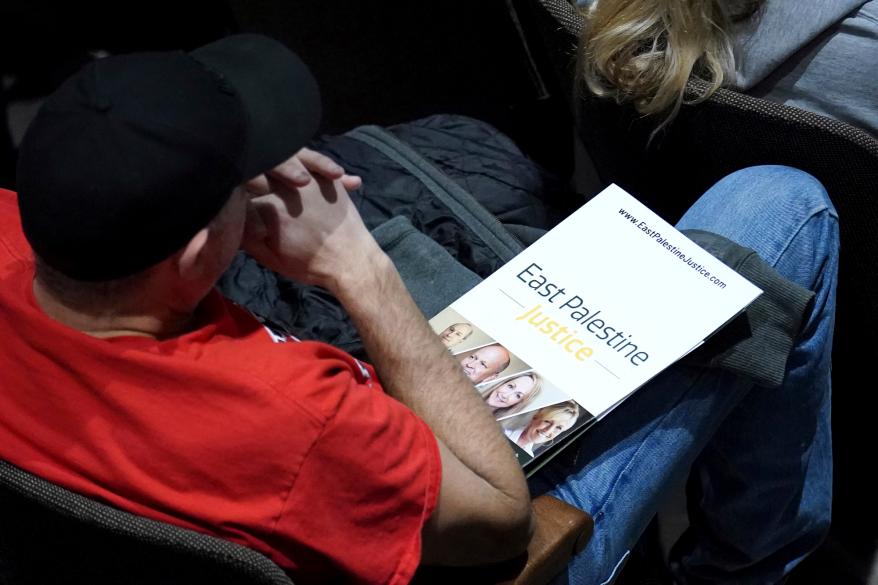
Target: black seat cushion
(50, 535)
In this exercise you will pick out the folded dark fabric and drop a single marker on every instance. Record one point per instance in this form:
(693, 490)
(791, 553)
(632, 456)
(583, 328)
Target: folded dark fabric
(758, 343)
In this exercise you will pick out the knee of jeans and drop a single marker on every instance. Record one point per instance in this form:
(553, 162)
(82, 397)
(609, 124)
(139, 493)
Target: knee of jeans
(778, 187)
(804, 532)
(819, 520)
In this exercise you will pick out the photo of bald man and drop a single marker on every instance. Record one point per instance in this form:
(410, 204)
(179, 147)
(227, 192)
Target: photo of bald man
(484, 363)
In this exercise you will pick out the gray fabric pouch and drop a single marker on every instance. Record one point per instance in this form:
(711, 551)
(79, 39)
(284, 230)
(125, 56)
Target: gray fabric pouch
(433, 277)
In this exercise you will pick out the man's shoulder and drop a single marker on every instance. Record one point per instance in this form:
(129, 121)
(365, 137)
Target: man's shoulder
(266, 335)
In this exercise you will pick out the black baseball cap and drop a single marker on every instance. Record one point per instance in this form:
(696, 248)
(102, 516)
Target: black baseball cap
(135, 153)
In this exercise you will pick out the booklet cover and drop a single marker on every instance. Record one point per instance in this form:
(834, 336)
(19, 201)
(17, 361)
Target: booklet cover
(579, 320)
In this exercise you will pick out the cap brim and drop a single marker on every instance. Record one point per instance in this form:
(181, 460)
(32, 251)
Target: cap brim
(279, 95)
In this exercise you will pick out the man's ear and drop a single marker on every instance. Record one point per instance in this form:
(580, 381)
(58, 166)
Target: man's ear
(190, 262)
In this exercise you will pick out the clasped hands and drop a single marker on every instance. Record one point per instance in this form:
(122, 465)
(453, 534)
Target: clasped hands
(301, 222)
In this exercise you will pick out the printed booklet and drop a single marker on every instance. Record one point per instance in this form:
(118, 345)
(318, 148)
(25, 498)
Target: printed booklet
(566, 330)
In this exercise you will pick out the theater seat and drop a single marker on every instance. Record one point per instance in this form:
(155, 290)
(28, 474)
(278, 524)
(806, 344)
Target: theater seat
(50, 535)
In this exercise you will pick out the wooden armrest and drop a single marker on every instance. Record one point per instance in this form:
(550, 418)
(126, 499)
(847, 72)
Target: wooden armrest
(561, 532)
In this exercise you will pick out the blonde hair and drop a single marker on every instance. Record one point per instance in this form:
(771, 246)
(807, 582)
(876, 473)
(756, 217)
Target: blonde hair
(515, 408)
(645, 52)
(569, 408)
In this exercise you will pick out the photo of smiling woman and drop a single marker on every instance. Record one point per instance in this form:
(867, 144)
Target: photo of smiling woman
(512, 395)
(546, 425)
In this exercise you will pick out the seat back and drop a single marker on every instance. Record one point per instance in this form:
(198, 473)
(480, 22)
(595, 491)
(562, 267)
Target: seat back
(51, 535)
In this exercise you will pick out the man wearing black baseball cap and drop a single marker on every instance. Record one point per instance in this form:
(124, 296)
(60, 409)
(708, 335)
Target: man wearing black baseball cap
(129, 379)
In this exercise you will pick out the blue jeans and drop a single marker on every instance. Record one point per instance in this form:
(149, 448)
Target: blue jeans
(759, 460)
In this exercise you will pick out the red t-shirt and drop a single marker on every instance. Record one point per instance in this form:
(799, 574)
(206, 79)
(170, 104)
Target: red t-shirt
(290, 448)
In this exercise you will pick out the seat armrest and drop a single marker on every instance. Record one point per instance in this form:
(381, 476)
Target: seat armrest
(561, 532)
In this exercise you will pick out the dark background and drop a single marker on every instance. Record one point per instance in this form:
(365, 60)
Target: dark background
(383, 62)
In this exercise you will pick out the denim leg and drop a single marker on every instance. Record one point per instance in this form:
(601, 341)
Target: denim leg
(760, 459)
(769, 466)
(619, 470)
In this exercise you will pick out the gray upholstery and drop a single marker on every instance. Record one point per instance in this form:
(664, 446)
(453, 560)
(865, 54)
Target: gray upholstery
(51, 535)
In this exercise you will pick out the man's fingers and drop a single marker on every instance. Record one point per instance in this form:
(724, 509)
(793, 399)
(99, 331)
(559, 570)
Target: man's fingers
(321, 164)
(351, 182)
(292, 172)
(258, 185)
(298, 170)
(327, 168)
(255, 229)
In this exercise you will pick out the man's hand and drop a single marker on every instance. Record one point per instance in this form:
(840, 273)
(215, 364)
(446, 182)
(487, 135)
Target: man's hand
(312, 233)
(297, 172)
(301, 222)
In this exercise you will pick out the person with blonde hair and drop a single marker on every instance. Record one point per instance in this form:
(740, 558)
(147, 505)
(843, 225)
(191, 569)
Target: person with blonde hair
(546, 425)
(512, 395)
(815, 56)
(758, 459)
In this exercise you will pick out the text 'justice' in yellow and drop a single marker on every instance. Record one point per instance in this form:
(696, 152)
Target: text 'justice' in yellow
(558, 333)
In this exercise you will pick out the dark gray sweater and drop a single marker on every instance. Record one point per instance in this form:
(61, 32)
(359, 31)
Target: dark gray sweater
(818, 55)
